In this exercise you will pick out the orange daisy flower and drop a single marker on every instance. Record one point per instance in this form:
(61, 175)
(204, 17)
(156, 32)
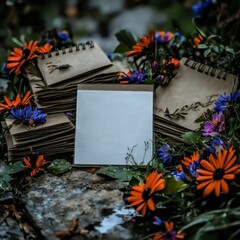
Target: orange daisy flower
(141, 195)
(217, 171)
(19, 57)
(15, 103)
(197, 40)
(169, 234)
(34, 163)
(44, 49)
(175, 62)
(143, 43)
(194, 157)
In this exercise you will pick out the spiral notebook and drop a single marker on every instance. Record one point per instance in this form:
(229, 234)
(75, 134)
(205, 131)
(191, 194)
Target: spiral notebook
(192, 91)
(67, 63)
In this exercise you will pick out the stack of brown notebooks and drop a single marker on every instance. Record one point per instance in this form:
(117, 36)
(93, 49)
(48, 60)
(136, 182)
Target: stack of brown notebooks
(190, 93)
(55, 88)
(54, 137)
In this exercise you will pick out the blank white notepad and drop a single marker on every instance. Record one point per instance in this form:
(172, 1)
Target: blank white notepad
(111, 120)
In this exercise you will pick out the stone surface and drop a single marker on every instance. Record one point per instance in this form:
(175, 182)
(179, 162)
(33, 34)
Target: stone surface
(54, 201)
(9, 229)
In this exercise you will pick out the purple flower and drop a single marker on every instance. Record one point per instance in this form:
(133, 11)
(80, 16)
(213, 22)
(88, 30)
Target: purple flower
(163, 37)
(28, 115)
(164, 155)
(212, 128)
(201, 6)
(135, 76)
(217, 144)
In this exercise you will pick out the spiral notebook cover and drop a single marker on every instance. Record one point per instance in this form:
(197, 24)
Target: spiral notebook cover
(61, 65)
(193, 90)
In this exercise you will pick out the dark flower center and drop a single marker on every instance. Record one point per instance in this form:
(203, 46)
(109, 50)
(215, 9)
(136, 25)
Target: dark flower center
(145, 194)
(26, 53)
(218, 174)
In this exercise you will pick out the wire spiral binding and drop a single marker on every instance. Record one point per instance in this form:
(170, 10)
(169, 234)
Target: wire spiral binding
(69, 49)
(203, 68)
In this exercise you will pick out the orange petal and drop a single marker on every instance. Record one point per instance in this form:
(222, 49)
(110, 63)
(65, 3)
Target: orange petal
(217, 188)
(231, 152)
(204, 178)
(204, 184)
(212, 160)
(9, 103)
(144, 210)
(209, 188)
(135, 201)
(222, 158)
(207, 165)
(140, 207)
(224, 186)
(180, 235)
(150, 204)
(229, 176)
(230, 163)
(205, 172)
(232, 169)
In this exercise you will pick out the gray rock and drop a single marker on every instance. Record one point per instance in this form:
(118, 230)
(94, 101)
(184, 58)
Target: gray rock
(107, 6)
(137, 20)
(9, 230)
(54, 201)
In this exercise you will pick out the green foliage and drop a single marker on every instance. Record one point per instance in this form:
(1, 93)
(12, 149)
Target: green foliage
(5, 180)
(123, 174)
(191, 137)
(59, 166)
(14, 168)
(126, 39)
(172, 186)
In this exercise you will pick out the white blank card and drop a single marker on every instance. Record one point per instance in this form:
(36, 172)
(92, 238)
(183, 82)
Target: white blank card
(113, 120)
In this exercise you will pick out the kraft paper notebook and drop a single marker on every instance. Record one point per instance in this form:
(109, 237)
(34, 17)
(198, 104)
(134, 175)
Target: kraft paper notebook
(193, 90)
(113, 120)
(58, 132)
(72, 62)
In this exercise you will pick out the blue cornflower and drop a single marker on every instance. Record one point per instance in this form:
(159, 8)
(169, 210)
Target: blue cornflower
(164, 155)
(179, 175)
(135, 76)
(157, 221)
(199, 7)
(28, 115)
(5, 71)
(223, 101)
(216, 144)
(63, 35)
(193, 167)
(178, 36)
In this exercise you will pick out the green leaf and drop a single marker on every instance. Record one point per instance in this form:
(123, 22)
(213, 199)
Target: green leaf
(115, 172)
(207, 52)
(172, 186)
(191, 137)
(14, 168)
(5, 182)
(215, 48)
(198, 29)
(122, 48)
(202, 46)
(59, 166)
(127, 38)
